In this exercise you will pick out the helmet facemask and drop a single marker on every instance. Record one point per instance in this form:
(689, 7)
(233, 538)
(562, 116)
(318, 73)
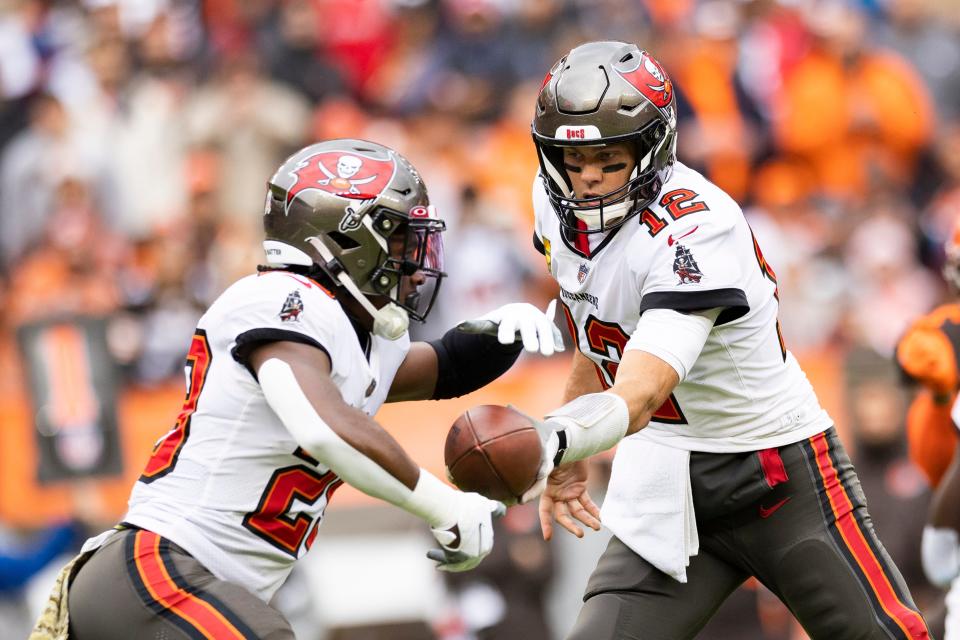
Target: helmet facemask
(612, 209)
(604, 93)
(412, 269)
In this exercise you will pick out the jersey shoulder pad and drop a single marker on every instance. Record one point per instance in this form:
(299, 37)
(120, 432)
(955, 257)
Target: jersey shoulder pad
(688, 197)
(279, 306)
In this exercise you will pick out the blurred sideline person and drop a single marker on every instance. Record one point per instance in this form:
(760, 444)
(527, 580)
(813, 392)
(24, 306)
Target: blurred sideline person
(732, 469)
(284, 372)
(927, 354)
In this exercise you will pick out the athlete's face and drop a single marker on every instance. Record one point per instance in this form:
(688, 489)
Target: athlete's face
(403, 245)
(595, 171)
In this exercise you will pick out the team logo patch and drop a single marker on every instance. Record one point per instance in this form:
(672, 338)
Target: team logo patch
(348, 175)
(651, 80)
(292, 308)
(582, 273)
(685, 266)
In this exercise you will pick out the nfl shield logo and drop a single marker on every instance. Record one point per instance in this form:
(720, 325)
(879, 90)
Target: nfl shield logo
(582, 273)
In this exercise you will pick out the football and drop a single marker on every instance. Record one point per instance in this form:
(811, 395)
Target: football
(494, 451)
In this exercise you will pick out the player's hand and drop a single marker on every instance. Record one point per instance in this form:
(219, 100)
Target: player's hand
(469, 538)
(567, 501)
(520, 320)
(549, 446)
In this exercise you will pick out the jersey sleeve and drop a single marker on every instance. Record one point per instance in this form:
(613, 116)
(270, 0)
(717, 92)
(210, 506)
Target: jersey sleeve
(695, 266)
(286, 308)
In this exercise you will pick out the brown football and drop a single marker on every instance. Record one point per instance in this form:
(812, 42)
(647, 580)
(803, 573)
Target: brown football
(494, 451)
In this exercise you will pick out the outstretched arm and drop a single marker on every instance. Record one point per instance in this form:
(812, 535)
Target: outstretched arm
(593, 422)
(642, 379)
(295, 379)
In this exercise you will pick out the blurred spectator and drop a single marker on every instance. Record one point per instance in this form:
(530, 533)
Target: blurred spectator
(486, 267)
(888, 286)
(254, 123)
(933, 49)
(356, 36)
(717, 115)
(290, 44)
(475, 59)
(943, 207)
(858, 115)
(797, 232)
(72, 268)
(33, 166)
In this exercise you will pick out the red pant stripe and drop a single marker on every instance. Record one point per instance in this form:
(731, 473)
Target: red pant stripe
(201, 615)
(853, 536)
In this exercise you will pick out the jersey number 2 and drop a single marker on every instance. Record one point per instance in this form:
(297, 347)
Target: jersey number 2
(271, 522)
(166, 451)
(607, 340)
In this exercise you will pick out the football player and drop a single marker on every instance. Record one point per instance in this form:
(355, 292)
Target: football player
(726, 467)
(928, 354)
(285, 371)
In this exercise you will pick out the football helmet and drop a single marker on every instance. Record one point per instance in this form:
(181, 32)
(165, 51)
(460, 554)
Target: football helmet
(605, 93)
(359, 212)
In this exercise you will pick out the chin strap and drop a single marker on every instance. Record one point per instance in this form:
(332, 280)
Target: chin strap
(390, 321)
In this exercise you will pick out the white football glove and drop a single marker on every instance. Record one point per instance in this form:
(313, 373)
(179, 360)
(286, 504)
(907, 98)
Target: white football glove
(523, 320)
(469, 537)
(549, 445)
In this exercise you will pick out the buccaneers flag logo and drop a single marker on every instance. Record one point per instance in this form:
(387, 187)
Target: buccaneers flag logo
(348, 175)
(651, 80)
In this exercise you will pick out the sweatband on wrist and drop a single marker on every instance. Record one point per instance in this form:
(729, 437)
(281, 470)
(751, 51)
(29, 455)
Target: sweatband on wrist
(467, 361)
(431, 500)
(590, 424)
(674, 337)
(940, 554)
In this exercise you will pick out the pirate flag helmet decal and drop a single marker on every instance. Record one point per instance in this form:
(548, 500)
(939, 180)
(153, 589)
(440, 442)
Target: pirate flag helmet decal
(359, 212)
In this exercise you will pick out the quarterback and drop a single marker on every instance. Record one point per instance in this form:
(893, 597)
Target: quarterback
(726, 465)
(284, 372)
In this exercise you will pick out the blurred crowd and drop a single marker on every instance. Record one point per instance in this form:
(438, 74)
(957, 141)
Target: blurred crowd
(136, 137)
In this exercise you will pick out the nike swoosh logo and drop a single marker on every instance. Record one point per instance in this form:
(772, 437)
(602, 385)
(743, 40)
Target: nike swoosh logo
(766, 512)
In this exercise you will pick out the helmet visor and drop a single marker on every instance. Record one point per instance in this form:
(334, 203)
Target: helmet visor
(416, 255)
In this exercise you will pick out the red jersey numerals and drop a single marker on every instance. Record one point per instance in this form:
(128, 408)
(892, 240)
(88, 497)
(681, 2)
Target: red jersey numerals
(770, 275)
(677, 203)
(681, 202)
(272, 521)
(167, 450)
(608, 340)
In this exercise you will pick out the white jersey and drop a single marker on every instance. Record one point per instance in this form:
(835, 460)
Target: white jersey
(691, 249)
(229, 483)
